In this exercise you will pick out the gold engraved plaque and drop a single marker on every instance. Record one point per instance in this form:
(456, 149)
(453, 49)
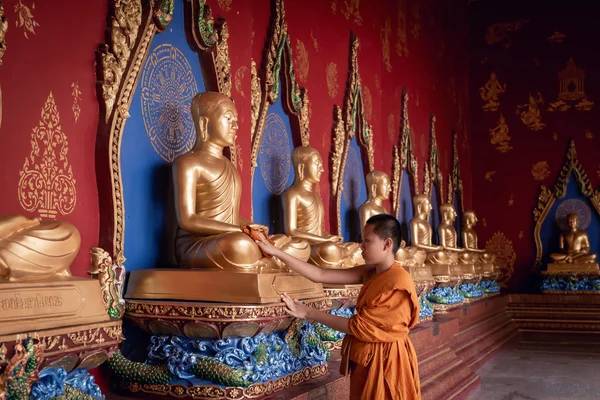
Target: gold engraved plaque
(27, 303)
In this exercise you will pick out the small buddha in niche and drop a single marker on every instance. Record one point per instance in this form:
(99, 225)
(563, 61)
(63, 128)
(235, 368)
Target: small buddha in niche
(31, 249)
(207, 198)
(574, 244)
(469, 237)
(304, 214)
(421, 233)
(378, 190)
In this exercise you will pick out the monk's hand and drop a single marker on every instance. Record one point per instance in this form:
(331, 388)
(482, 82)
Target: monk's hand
(258, 227)
(294, 307)
(265, 245)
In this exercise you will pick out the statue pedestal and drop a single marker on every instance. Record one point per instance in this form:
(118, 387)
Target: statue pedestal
(343, 302)
(67, 316)
(567, 267)
(219, 286)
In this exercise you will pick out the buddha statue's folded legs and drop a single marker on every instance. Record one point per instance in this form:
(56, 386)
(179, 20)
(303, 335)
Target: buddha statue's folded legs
(332, 255)
(31, 249)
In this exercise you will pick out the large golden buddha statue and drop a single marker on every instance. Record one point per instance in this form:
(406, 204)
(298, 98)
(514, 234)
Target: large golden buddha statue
(421, 233)
(207, 198)
(378, 190)
(31, 249)
(304, 214)
(575, 249)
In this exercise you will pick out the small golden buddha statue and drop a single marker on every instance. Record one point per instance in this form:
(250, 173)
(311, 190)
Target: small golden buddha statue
(207, 198)
(469, 237)
(421, 233)
(378, 190)
(575, 247)
(448, 240)
(31, 249)
(304, 214)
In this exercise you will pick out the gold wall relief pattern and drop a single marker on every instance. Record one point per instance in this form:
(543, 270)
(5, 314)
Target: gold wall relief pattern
(225, 5)
(402, 31)
(503, 248)
(589, 134)
(511, 200)
(3, 30)
(489, 175)
(333, 7)
(332, 79)
(530, 113)
(351, 10)
(25, 18)
(499, 136)
(484, 222)
(238, 80)
(540, 170)
(557, 37)
(46, 183)
(490, 93)
(456, 181)
(76, 93)
(521, 234)
(368, 99)
(502, 33)
(555, 136)
(415, 24)
(302, 61)
(571, 90)
(314, 40)
(547, 196)
(386, 32)
(391, 126)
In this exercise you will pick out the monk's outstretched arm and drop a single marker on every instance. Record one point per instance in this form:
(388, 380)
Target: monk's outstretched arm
(299, 310)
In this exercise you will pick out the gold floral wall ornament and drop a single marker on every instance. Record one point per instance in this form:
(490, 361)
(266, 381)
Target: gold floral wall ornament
(571, 90)
(503, 248)
(511, 200)
(490, 93)
(521, 234)
(368, 100)
(499, 136)
(557, 37)
(391, 126)
(415, 24)
(225, 5)
(351, 10)
(501, 33)
(484, 222)
(302, 61)
(25, 18)
(386, 32)
(540, 170)
(76, 93)
(46, 183)
(489, 175)
(402, 32)
(314, 40)
(530, 112)
(555, 136)
(332, 79)
(588, 134)
(238, 80)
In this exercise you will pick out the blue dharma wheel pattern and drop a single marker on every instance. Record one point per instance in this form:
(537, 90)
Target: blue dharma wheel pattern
(168, 86)
(275, 155)
(352, 179)
(573, 206)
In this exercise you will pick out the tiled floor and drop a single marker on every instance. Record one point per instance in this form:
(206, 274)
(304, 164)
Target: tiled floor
(533, 372)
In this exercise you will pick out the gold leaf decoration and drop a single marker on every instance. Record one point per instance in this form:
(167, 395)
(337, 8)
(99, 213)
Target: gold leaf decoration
(332, 79)
(415, 24)
(557, 37)
(302, 61)
(484, 222)
(76, 93)
(368, 99)
(490, 93)
(352, 11)
(238, 79)
(555, 136)
(521, 234)
(225, 5)
(501, 33)
(540, 170)
(46, 183)
(385, 45)
(530, 113)
(588, 134)
(499, 136)
(489, 175)
(391, 126)
(401, 32)
(500, 245)
(333, 7)
(25, 18)
(511, 200)
(314, 40)
(239, 159)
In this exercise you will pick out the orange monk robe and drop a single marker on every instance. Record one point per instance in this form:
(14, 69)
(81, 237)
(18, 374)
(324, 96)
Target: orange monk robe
(382, 359)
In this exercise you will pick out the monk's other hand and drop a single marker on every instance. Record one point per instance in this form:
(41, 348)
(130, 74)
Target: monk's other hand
(259, 227)
(294, 307)
(265, 245)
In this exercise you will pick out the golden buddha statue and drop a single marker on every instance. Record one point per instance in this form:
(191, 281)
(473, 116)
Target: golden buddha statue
(575, 247)
(378, 190)
(304, 214)
(469, 237)
(449, 240)
(207, 198)
(421, 233)
(31, 249)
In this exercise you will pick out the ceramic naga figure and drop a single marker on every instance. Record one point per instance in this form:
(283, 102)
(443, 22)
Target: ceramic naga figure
(31, 249)
(207, 198)
(304, 214)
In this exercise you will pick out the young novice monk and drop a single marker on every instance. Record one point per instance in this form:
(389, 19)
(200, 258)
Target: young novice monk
(377, 350)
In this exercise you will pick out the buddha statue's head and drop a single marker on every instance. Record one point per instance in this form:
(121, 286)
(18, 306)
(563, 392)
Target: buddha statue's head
(448, 213)
(422, 206)
(573, 221)
(469, 218)
(308, 164)
(378, 185)
(215, 118)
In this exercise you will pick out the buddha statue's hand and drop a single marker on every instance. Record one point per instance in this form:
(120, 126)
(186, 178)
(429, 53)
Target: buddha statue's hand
(335, 239)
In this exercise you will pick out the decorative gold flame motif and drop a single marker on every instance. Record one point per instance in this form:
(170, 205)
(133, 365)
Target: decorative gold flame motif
(225, 5)
(489, 175)
(314, 40)
(302, 63)
(401, 32)
(332, 79)
(26, 19)
(76, 93)
(391, 126)
(351, 11)
(47, 184)
(540, 170)
(386, 32)
(239, 76)
(500, 245)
